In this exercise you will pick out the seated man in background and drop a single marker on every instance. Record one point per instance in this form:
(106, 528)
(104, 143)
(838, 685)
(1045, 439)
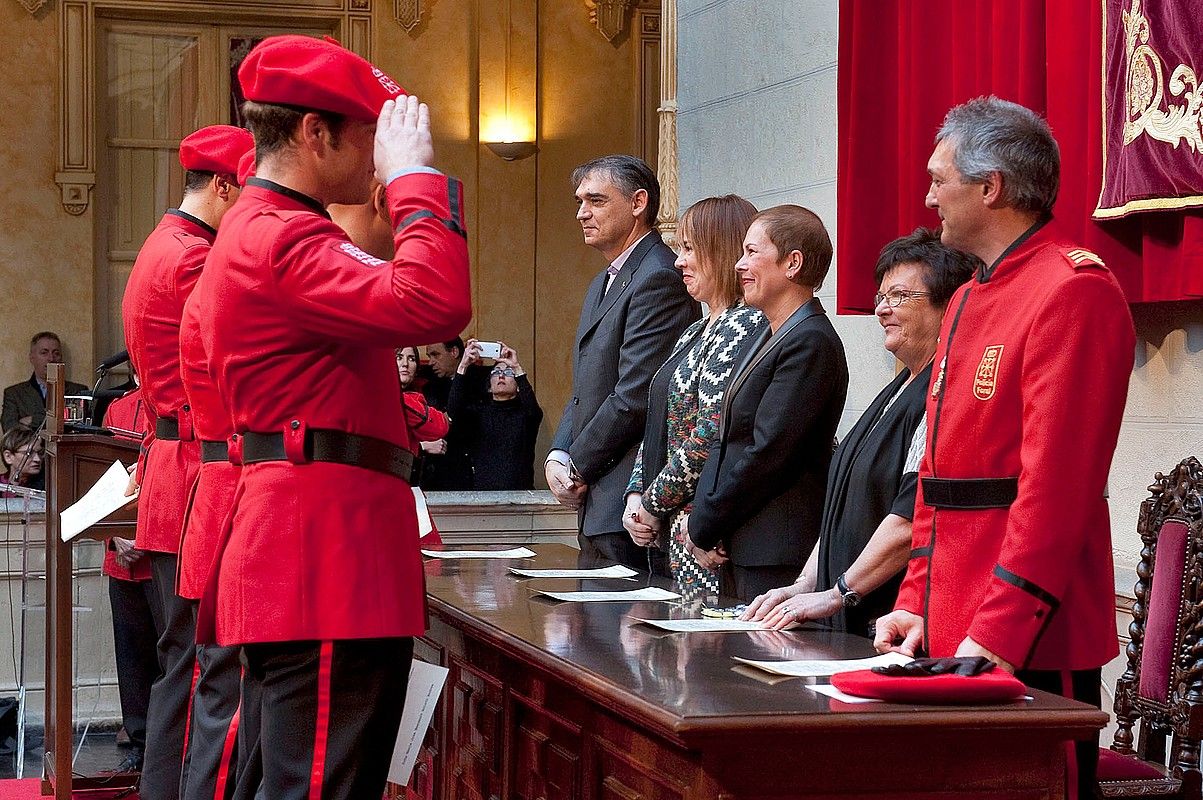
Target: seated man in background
(500, 431)
(25, 402)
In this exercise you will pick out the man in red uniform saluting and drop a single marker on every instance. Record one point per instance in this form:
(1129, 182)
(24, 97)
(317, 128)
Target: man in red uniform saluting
(319, 577)
(1011, 551)
(162, 278)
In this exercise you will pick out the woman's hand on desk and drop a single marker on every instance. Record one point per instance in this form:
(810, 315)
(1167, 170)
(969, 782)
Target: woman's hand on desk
(899, 632)
(788, 605)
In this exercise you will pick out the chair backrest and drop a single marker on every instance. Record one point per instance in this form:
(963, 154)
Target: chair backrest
(1162, 686)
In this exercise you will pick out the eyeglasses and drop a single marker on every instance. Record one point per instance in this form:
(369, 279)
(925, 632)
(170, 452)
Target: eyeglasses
(506, 371)
(896, 297)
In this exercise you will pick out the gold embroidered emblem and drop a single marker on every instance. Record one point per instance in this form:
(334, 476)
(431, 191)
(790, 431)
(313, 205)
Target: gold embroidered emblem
(938, 384)
(986, 379)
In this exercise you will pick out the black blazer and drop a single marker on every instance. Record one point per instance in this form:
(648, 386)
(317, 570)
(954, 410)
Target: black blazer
(761, 491)
(25, 400)
(621, 341)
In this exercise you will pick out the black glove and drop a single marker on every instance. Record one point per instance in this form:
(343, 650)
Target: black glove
(924, 667)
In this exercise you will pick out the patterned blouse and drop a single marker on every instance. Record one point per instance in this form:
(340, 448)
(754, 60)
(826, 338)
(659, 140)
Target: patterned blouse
(694, 405)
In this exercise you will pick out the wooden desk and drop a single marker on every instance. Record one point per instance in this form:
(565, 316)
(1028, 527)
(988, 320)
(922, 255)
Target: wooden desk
(551, 700)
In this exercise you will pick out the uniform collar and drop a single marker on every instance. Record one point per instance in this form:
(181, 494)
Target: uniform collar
(311, 203)
(984, 274)
(197, 221)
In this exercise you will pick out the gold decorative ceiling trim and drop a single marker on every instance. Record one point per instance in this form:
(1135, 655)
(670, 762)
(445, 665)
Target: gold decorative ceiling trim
(610, 16)
(408, 14)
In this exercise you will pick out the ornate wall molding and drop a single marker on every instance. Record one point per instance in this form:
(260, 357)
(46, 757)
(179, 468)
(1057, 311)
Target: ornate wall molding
(32, 6)
(610, 16)
(408, 13)
(668, 167)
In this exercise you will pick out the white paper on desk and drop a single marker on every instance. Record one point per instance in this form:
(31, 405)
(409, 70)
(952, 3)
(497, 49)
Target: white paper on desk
(836, 694)
(425, 686)
(513, 552)
(616, 571)
(106, 496)
(425, 524)
(818, 668)
(646, 593)
(704, 625)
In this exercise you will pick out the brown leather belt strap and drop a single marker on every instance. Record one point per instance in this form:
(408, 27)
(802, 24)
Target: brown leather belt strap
(336, 447)
(214, 451)
(966, 494)
(167, 429)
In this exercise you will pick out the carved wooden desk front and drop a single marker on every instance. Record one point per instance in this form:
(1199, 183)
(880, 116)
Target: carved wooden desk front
(560, 700)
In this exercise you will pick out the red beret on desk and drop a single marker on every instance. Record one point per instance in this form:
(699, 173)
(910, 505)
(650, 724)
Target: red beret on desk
(216, 149)
(313, 73)
(996, 686)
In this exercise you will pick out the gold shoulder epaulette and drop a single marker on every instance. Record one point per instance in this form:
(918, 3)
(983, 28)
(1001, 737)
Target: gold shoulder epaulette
(1080, 257)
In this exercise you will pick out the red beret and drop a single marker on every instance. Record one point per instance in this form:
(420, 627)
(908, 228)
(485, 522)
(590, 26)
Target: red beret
(315, 73)
(246, 166)
(995, 686)
(216, 148)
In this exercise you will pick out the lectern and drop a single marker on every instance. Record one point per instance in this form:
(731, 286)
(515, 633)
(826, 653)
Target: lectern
(73, 463)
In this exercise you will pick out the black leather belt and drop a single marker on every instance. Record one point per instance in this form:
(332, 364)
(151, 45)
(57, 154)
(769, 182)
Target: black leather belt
(970, 493)
(214, 451)
(167, 428)
(336, 447)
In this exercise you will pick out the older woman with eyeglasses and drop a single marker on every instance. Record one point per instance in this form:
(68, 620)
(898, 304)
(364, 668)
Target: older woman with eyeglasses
(852, 576)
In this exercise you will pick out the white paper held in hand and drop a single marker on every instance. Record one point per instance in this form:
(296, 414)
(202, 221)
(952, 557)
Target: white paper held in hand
(106, 496)
(425, 686)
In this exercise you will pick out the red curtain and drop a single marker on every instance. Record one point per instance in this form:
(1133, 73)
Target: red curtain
(903, 64)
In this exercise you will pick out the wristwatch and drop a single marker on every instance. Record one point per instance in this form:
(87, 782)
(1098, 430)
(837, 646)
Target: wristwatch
(851, 598)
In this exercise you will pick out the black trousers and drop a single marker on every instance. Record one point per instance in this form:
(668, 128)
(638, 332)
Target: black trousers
(748, 582)
(168, 711)
(250, 755)
(1083, 685)
(137, 625)
(329, 714)
(209, 771)
(605, 549)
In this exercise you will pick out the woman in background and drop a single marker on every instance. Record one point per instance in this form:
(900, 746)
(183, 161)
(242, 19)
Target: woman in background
(686, 394)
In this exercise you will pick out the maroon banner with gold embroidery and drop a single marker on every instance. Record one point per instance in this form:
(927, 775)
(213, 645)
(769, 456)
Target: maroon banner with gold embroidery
(1152, 106)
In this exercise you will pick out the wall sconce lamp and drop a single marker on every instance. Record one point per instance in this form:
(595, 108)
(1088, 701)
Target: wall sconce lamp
(512, 151)
(509, 78)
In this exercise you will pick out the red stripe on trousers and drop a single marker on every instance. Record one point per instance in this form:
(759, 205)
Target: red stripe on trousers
(317, 772)
(227, 752)
(191, 700)
(1071, 753)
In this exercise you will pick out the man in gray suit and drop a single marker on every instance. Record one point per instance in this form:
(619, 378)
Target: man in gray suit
(25, 402)
(633, 313)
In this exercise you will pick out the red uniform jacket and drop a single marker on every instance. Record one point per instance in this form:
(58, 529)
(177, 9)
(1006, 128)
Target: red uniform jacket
(126, 413)
(300, 325)
(163, 276)
(1030, 382)
(213, 490)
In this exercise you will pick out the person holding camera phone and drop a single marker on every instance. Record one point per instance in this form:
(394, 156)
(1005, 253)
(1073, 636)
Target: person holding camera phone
(500, 431)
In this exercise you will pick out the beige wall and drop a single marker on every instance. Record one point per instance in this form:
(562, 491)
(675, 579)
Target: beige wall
(45, 253)
(530, 268)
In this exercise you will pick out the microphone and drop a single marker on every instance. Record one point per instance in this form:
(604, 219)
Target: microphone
(112, 361)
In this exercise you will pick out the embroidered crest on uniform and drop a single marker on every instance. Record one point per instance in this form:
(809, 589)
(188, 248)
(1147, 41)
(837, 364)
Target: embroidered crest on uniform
(986, 379)
(938, 384)
(348, 249)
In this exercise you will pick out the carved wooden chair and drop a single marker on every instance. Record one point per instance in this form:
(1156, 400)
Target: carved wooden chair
(1162, 688)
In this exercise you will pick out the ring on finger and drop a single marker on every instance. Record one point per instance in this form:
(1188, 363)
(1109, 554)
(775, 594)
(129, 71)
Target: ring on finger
(786, 610)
